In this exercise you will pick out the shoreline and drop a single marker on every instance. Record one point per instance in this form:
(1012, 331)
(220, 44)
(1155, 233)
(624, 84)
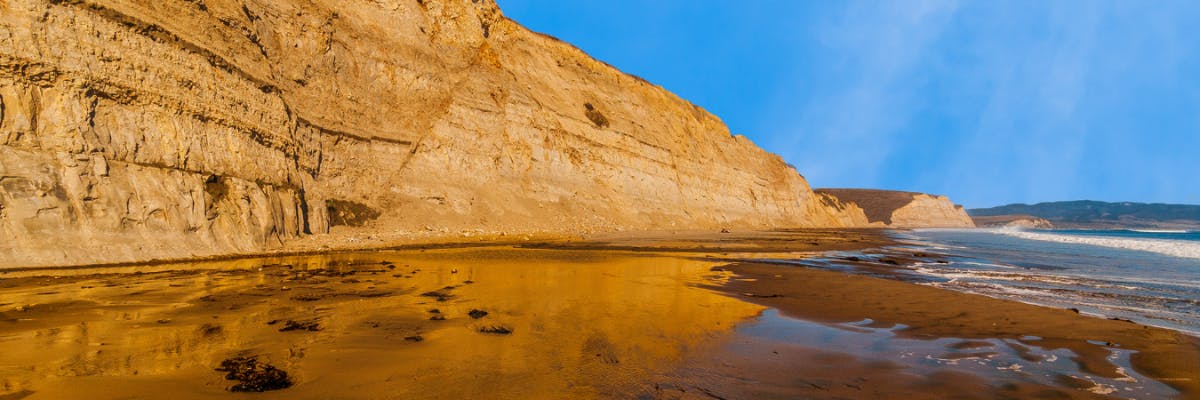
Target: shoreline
(807, 294)
(810, 294)
(553, 241)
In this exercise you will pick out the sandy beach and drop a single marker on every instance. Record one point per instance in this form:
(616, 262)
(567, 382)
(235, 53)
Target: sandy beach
(653, 316)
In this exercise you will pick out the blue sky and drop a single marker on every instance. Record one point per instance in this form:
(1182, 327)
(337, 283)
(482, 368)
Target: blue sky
(989, 102)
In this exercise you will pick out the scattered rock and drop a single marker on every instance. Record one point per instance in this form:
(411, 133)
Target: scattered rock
(437, 317)
(477, 314)
(496, 330)
(1076, 310)
(762, 296)
(253, 376)
(414, 338)
(291, 325)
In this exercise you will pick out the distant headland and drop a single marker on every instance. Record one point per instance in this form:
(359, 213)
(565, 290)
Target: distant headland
(1087, 214)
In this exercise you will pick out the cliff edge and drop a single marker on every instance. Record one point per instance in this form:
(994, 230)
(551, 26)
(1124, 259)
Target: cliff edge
(904, 209)
(133, 130)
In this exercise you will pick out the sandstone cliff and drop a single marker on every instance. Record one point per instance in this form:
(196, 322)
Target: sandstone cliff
(137, 129)
(1013, 221)
(904, 209)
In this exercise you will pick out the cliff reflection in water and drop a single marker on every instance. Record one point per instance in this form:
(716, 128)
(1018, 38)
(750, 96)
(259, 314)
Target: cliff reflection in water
(364, 325)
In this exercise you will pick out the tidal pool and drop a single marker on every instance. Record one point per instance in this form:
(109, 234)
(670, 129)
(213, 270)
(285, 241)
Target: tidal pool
(387, 324)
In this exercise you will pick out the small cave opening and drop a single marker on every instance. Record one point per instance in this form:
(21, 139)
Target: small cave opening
(595, 115)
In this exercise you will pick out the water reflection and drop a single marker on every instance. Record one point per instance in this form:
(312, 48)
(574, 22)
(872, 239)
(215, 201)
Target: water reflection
(582, 324)
(994, 361)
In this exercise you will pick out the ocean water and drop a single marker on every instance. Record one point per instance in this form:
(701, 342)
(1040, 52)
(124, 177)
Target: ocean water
(1151, 277)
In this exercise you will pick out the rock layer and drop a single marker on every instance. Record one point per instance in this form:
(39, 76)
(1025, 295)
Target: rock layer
(133, 130)
(904, 209)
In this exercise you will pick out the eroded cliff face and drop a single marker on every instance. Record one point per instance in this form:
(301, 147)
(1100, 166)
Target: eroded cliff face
(1012, 221)
(134, 129)
(903, 209)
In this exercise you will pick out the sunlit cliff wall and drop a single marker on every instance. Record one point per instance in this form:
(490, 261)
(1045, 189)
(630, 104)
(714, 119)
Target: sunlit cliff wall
(887, 208)
(137, 129)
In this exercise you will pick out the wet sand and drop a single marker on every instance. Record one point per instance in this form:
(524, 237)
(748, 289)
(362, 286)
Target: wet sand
(1105, 354)
(668, 315)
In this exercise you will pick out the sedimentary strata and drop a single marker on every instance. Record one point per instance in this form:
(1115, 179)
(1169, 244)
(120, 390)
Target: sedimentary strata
(134, 130)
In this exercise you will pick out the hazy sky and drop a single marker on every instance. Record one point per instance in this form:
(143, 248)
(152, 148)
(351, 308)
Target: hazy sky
(990, 102)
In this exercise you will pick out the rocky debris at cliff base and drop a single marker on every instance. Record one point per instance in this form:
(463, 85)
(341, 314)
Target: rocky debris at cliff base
(253, 376)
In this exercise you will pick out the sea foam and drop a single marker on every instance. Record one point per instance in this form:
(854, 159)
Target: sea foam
(1175, 248)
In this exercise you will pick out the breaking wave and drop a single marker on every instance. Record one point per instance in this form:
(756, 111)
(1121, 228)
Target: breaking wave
(1174, 248)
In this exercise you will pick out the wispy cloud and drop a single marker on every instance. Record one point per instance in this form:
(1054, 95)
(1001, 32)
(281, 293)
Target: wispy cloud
(871, 52)
(1029, 137)
(993, 102)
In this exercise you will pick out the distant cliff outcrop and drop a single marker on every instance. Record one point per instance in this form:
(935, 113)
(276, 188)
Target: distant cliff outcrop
(1102, 215)
(904, 209)
(1012, 221)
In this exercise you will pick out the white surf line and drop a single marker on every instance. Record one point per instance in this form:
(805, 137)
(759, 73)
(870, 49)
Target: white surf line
(1175, 248)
